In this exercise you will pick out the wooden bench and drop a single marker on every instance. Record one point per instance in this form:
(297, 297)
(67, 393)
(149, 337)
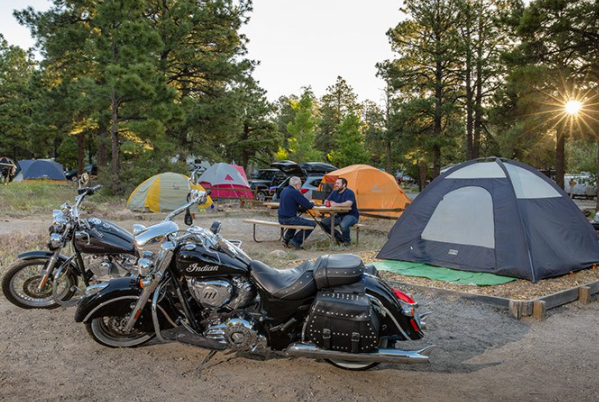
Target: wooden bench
(358, 226)
(255, 222)
(276, 224)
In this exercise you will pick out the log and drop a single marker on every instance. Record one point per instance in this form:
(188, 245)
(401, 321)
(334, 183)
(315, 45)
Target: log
(516, 308)
(539, 309)
(584, 294)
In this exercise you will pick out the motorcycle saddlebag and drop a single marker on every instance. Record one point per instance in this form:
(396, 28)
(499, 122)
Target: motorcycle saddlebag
(343, 321)
(336, 270)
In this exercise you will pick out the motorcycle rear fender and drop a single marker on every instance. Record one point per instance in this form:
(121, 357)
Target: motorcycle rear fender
(115, 299)
(377, 288)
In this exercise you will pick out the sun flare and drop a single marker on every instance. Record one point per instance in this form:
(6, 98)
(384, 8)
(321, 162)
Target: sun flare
(573, 107)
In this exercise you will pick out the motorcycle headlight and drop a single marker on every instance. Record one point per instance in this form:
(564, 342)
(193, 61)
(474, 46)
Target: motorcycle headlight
(145, 266)
(56, 240)
(59, 221)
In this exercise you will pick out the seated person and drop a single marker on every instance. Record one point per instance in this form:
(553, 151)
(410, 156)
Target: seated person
(342, 197)
(291, 201)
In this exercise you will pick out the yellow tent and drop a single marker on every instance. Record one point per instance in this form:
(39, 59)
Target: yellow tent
(163, 192)
(377, 192)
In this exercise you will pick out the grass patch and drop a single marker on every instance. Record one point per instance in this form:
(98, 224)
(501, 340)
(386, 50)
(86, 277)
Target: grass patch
(13, 244)
(22, 199)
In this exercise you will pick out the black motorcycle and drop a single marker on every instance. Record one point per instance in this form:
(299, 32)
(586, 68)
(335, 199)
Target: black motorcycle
(203, 290)
(47, 278)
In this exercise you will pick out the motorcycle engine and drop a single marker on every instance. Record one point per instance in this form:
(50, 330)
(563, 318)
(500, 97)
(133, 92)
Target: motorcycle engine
(217, 293)
(107, 267)
(238, 333)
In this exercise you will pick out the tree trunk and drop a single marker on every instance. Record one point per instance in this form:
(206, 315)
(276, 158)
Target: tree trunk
(478, 113)
(478, 98)
(560, 155)
(438, 119)
(245, 157)
(597, 182)
(422, 175)
(90, 142)
(389, 157)
(102, 157)
(469, 116)
(114, 136)
(81, 153)
(469, 92)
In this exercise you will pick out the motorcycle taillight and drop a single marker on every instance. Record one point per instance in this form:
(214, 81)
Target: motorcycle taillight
(403, 297)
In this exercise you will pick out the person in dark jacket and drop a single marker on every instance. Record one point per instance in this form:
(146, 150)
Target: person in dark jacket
(342, 197)
(291, 202)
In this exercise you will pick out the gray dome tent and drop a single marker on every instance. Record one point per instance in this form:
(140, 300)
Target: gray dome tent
(496, 216)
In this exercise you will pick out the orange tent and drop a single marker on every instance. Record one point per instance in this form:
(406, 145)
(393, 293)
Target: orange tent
(377, 192)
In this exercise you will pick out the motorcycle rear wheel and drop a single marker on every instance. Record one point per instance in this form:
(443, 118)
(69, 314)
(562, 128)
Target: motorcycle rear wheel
(352, 366)
(107, 331)
(21, 281)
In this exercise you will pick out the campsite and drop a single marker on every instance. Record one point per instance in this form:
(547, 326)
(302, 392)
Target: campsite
(227, 200)
(479, 346)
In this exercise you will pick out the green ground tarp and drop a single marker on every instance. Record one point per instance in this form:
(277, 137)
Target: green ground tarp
(441, 273)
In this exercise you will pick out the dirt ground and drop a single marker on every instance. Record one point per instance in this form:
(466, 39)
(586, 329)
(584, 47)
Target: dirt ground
(481, 355)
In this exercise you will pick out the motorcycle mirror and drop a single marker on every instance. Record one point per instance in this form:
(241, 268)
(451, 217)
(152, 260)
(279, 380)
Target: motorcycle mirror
(138, 228)
(195, 177)
(215, 228)
(188, 217)
(84, 180)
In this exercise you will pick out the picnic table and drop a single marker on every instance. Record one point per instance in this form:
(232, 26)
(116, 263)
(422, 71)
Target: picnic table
(323, 210)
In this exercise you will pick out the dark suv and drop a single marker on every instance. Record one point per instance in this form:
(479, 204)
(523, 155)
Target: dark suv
(305, 171)
(263, 179)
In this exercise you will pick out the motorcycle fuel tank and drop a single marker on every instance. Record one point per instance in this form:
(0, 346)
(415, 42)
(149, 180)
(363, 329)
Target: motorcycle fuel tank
(104, 237)
(195, 260)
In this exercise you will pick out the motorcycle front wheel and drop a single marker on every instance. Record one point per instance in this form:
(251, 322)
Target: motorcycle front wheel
(20, 285)
(108, 331)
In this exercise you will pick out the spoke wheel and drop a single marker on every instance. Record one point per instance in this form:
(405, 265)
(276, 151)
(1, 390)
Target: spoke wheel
(357, 366)
(261, 196)
(353, 366)
(108, 331)
(20, 285)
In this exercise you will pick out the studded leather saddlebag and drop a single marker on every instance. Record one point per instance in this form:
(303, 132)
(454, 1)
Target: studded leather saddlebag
(343, 321)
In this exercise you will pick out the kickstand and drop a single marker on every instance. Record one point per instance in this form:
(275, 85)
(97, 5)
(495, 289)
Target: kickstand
(206, 360)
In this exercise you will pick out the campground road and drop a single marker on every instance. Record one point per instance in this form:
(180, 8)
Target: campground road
(482, 355)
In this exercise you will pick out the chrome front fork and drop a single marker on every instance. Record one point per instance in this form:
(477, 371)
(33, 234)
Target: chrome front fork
(48, 270)
(149, 286)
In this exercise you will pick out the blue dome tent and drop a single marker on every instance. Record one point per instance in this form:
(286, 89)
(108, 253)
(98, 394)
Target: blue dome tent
(39, 170)
(497, 216)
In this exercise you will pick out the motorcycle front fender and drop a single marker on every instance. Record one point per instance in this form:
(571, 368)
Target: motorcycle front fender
(115, 299)
(41, 254)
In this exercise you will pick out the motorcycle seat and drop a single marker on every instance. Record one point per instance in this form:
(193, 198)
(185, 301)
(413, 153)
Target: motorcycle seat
(291, 284)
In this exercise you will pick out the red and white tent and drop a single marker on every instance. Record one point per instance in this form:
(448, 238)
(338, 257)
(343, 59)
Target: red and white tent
(226, 181)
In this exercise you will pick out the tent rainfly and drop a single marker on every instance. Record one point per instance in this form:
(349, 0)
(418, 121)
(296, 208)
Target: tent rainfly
(377, 192)
(226, 181)
(37, 169)
(163, 192)
(496, 216)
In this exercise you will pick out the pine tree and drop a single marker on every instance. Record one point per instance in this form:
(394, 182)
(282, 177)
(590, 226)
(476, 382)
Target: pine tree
(349, 143)
(302, 130)
(338, 102)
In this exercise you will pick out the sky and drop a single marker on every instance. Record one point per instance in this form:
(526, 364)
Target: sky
(297, 42)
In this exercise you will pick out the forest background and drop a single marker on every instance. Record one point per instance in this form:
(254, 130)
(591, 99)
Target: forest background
(130, 84)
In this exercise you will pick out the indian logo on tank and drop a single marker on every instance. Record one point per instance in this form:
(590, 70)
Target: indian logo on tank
(201, 268)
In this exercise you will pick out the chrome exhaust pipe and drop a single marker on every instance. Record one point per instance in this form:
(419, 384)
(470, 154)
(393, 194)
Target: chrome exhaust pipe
(396, 356)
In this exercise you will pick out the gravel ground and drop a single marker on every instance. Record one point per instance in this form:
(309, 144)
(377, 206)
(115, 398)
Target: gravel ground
(481, 355)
